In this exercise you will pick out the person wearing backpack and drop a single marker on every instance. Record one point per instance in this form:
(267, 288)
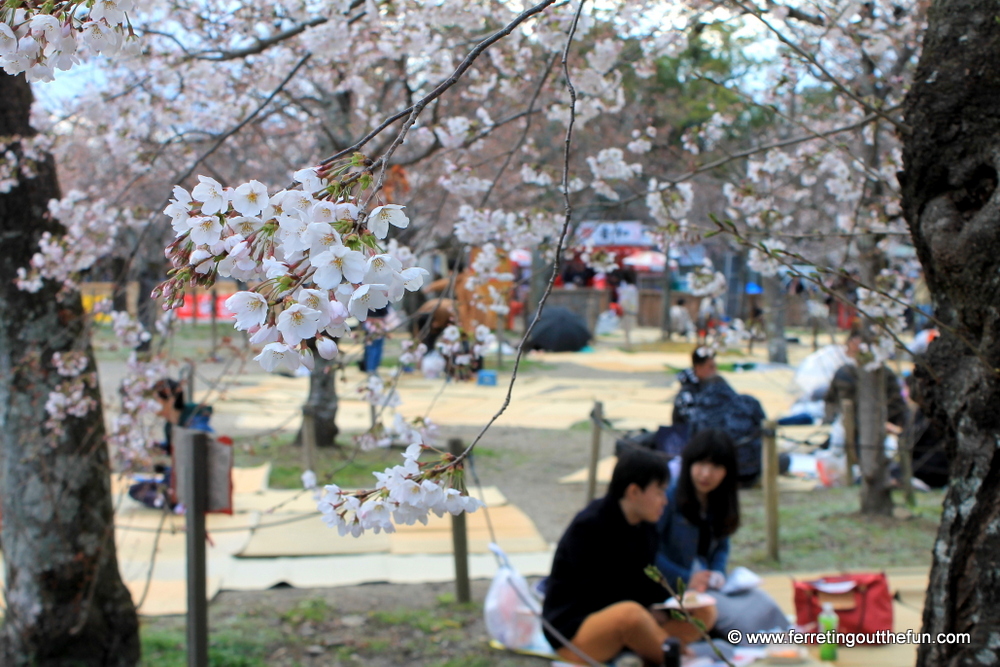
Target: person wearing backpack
(705, 400)
(598, 595)
(702, 373)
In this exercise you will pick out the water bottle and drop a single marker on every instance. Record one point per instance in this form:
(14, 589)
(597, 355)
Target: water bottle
(828, 625)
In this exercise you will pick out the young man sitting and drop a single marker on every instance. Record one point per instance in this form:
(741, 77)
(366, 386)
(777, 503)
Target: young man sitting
(598, 595)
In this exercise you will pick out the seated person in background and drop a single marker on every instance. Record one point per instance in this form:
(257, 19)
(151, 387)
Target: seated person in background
(598, 595)
(680, 320)
(703, 370)
(176, 412)
(845, 386)
(702, 511)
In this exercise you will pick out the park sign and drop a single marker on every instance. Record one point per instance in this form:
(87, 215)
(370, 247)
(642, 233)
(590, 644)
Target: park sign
(615, 233)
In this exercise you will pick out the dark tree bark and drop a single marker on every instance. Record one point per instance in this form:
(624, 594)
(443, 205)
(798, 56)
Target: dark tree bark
(66, 603)
(775, 301)
(951, 158)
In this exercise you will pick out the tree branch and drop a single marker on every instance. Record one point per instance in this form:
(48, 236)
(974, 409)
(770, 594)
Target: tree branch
(443, 86)
(259, 45)
(808, 57)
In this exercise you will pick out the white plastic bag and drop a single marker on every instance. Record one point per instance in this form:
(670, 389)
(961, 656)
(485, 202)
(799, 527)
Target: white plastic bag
(607, 323)
(512, 612)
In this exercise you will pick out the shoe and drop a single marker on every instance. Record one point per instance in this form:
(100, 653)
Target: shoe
(672, 652)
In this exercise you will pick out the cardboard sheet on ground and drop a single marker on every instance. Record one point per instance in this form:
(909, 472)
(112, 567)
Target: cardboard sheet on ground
(287, 535)
(249, 574)
(166, 598)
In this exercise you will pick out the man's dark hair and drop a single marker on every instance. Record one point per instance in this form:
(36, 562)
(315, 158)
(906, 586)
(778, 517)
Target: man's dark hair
(701, 355)
(712, 446)
(167, 388)
(680, 302)
(637, 466)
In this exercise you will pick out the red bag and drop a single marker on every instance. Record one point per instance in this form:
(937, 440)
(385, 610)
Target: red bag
(862, 602)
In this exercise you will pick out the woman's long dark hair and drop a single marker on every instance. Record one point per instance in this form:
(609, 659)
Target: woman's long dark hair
(713, 446)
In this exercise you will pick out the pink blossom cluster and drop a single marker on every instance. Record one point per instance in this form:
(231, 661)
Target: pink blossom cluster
(314, 256)
(72, 397)
(40, 37)
(403, 495)
(135, 420)
(91, 229)
(19, 157)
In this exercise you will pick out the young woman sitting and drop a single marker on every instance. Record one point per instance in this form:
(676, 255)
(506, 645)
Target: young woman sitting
(598, 595)
(702, 511)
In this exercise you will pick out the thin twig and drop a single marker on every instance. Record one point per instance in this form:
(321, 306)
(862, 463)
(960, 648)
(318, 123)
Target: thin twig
(808, 57)
(567, 144)
(444, 85)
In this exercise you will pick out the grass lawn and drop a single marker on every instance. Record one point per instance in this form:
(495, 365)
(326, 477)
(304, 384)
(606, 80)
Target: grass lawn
(345, 465)
(313, 631)
(823, 530)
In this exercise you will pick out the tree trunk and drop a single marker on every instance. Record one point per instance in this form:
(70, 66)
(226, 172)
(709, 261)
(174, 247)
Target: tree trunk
(666, 326)
(951, 157)
(66, 603)
(872, 406)
(774, 319)
(871, 415)
(322, 402)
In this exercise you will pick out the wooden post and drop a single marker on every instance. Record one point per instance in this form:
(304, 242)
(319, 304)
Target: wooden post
(770, 483)
(850, 437)
(597, 420)
(308, 441)
(460, 541)
(192, 452)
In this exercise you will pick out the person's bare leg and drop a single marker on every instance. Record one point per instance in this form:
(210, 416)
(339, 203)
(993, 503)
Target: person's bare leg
(624, 625)
(688, 632)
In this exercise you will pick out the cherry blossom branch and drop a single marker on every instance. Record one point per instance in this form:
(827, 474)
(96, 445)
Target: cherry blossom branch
(779, 255)
(808, 57)
(732, 157)
(777, 144)
(443, 86)
(812, 133)
(239, 126)
(259, 45)
(527, 126)
(221, 140)
(567, 142)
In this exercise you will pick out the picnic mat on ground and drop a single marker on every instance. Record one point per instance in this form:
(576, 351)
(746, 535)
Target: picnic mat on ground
(280, 535)
(289, 543)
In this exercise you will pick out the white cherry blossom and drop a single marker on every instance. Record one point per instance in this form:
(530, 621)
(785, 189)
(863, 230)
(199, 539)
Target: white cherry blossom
(298, 322)
(249, 308)
(383, 216)
(367, 298)
(250, 199)
(278, 356)
(211, 194)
